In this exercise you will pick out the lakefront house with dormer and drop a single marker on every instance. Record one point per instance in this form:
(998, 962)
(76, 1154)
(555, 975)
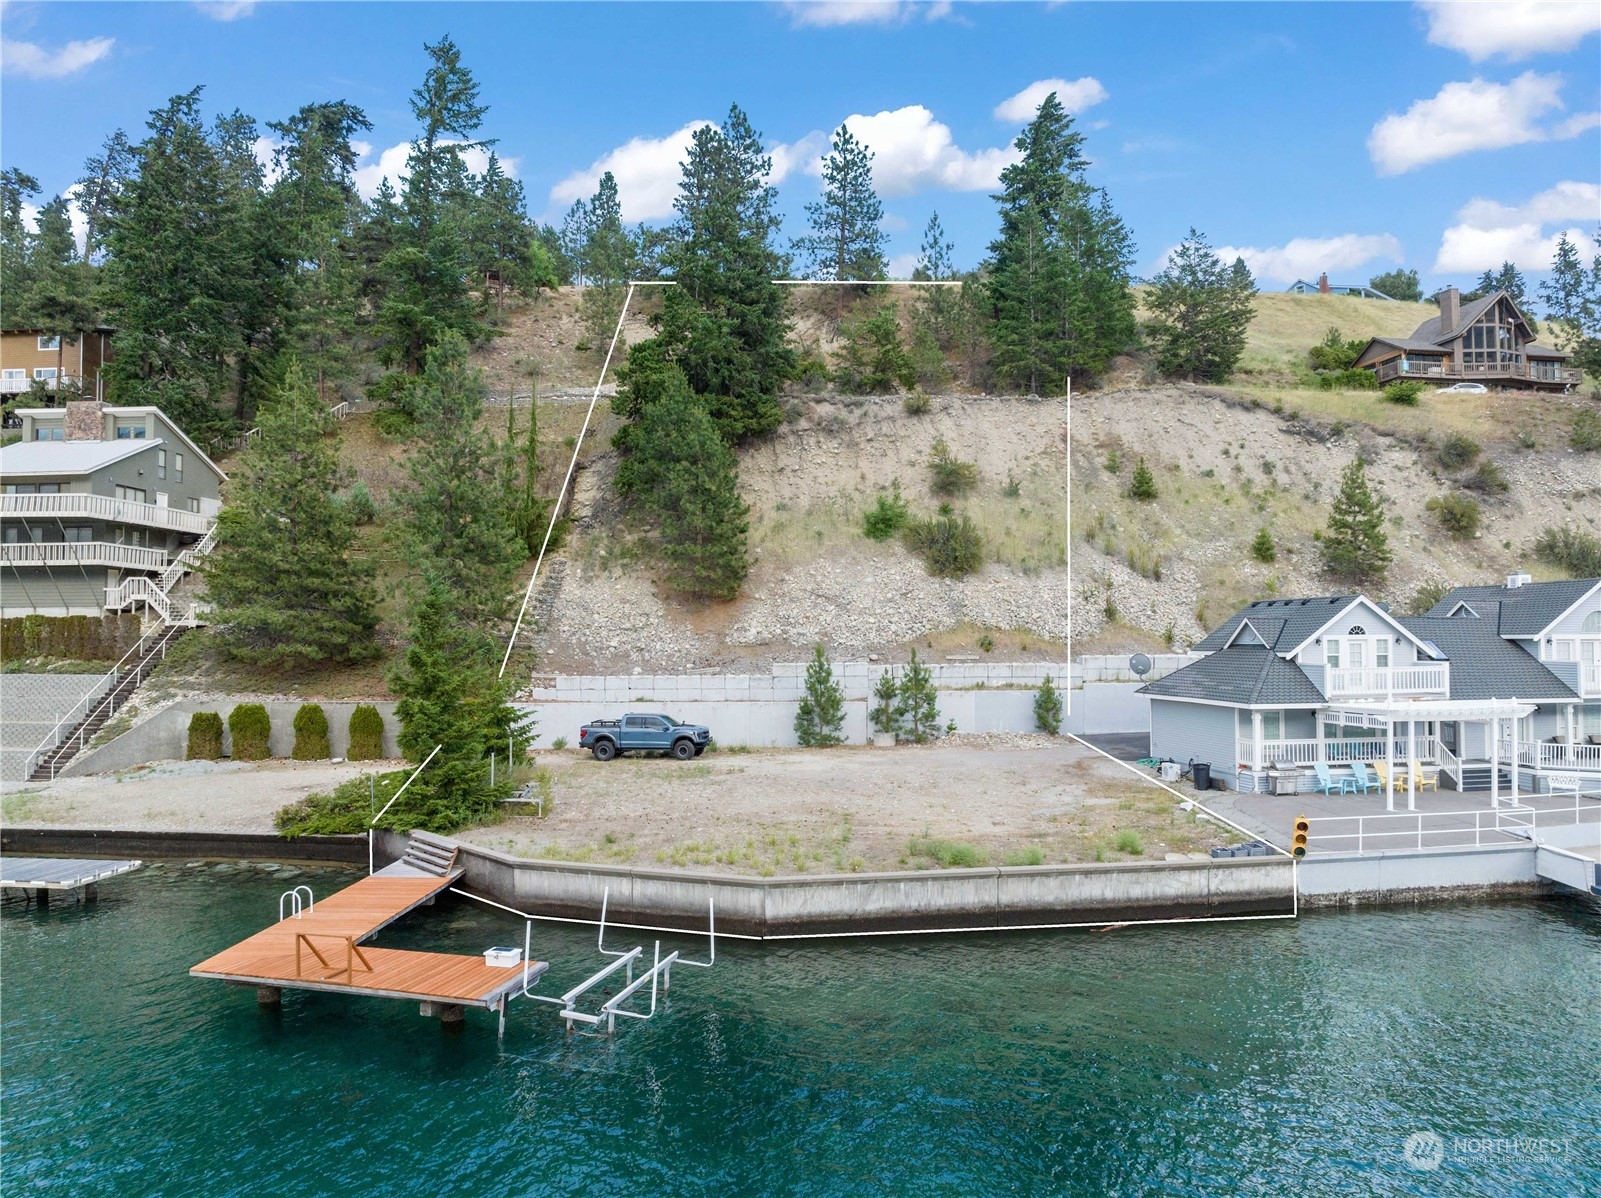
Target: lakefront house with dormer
(1487, 340)
(1495, 688)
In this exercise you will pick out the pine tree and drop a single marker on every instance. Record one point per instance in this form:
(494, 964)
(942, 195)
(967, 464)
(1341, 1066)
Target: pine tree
(821, 714)
(917, 703)
(286, 587)
(450, 696)
(1262, 548)
(846, 241)
(458, 529)
(1201, 311)
(58, 303)
(1143, 487)
(936, 306)
(886, 695)
(1354, 546)
(1572, 298)
(874, 360)
(1048, 707)
(681, 473)
(15, 188)
(607, 255)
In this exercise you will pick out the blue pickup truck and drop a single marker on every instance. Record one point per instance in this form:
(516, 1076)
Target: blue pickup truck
(638, 733)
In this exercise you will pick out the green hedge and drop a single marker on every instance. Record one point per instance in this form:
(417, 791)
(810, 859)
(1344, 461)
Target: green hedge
(366, 734)
(311, 734)
(251, 729)
(205, 737)
(71, 638)
(1348, 380)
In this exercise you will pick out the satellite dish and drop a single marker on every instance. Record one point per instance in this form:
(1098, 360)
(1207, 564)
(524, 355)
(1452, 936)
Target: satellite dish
(1140, 664)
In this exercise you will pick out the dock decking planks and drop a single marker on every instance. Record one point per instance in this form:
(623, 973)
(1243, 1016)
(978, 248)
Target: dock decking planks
(59, 873)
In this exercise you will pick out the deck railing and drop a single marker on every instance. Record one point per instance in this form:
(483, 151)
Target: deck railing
(83, 553)
(1428, 369)
(1494, 827)
(1334, 752)
(1543, 755)
(1387, 680)
(83, 506)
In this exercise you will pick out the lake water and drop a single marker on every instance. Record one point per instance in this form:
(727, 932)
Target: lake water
(1252, 1058)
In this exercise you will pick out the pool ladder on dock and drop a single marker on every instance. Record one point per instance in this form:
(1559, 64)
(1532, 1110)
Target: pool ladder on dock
(290, 900)
(661, 971)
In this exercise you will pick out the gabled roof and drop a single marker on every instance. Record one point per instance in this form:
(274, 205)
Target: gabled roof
(1523, 611)
(1431, 332)
(1483, 664)
(1242, 675)
(1281, 623)
(36, 459)
(59, 415)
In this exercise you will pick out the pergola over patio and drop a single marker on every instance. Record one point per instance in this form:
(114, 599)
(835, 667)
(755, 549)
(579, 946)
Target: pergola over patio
(1387, 714)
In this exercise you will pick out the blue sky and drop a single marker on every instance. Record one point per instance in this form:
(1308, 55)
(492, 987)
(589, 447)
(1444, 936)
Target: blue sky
(1342, 137)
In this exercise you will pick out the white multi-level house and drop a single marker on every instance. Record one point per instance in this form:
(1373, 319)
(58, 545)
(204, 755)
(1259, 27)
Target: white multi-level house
(1497, 686)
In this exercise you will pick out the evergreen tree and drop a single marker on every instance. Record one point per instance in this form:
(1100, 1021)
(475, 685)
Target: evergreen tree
(874, 361)
(57, 302)
(886, 694)
(725, 323)
(1572, 297)
(1398, 284)
(501, 243)
(846, 241)
(681, 473)
(1059, 281)
(1143, 487)
(1354, 546)
(104, 177)
(1201, 311)
(917, 703)
(458, 528)
(1262, 548)
(1048, 707)
(936, 309)
(446, 106)
(607, 256)
(450, 696)
(286, 587)
(15, 260)
(1509, 279)
(821, 714)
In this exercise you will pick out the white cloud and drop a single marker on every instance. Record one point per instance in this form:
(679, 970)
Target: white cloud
(226, 10)
(822, 14)
(1308, 257)
(391, 164)
(803, 155)
(647, 172)
(1514, 30)
(1076, 95)
(901, 266)
(263, 148)
(33, 61)
(1488, 233)
(913, 152)
(1465, 117)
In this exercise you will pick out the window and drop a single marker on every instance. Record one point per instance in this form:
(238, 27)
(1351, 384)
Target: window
(177, 467)
(132, 536)
(1592, 624)
(1272, 725)
(49, 434)
(49, 344)
(131, 494)
(194, 506)
(43, 374)
(49, 488)
(79, 533)
(134, 432)
(161, 463)
(1381, 652)
(11, 374)
(1331, 652)
(1356, 630)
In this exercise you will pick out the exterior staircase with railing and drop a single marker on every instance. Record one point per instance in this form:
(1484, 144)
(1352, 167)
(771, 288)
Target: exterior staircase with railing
(155, 592)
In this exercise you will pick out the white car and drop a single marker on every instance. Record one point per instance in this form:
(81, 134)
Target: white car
(1463, 388)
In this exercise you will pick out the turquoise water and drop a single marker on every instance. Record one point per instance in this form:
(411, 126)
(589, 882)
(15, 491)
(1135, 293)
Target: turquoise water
(1262, 1058)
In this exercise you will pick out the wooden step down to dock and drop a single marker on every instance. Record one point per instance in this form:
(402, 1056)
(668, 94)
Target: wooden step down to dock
(321, 948)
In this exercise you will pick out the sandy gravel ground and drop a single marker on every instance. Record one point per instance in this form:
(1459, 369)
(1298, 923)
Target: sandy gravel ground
(177, 796)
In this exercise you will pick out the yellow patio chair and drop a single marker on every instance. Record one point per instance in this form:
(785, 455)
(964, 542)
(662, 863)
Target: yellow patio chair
(1428, 777)
(1382, 769)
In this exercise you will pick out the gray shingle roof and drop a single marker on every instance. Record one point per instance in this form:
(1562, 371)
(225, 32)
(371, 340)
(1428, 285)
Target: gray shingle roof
(1431, 332)
(1282, 623)
(1244, 675)
(1483, 666)
(1525, 611)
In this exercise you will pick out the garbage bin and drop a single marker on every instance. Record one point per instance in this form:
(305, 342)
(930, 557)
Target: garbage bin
(1202, 771)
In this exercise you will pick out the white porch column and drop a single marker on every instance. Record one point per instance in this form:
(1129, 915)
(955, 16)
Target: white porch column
(1256, 740)
(1389, 764)
(1495, 762)
(1517, 758)
(1322, 749)
(1411, 756)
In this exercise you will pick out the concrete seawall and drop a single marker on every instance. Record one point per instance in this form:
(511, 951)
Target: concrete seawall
(235, 846)
(954, 899)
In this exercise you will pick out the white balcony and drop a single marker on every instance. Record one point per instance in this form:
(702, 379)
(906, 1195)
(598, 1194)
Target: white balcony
(24, 385)
(72, 554)
(1384, 681)
(1333, 752)
(1582, 759)
(80, 506)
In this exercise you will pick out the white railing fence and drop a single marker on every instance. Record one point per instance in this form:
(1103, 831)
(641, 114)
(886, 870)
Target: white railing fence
(102, 507)
(1483, 828)
(1335, 752)
(1386, 680)
(83, 553)
(1544, 755)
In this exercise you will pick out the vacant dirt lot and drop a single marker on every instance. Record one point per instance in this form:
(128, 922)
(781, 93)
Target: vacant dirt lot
(1020, 800)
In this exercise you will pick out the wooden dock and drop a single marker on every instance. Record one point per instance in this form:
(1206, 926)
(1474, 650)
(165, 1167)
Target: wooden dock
(42, 875)
(321, 949)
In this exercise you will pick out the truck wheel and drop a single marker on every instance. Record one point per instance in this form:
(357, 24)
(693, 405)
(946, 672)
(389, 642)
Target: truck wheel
(699, 749)
(604, 750)
(683, 749)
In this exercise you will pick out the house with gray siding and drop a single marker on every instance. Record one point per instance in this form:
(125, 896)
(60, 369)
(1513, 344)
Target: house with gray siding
(1496, 687)
(100, 505)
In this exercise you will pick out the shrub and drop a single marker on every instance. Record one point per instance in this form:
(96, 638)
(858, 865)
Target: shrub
(205, 737)
(1263, 549)
(1457, 451)
(948, 474)
(1048, 707)
(395, 424)
(1348, 380)
(1129, 842)
(1426, 596)
(874, 360)
(950, 546)
(366, 734)
(1114, 463)
(348, 808)
(559, 743)
(251, 729)
(1586, 435)
(1335, 352)
(1404, 392)
(917, 403)
(1576, 551)
(947, 854)
(1143, 487)
(311, 734)
(1486, 480)
(887, 516)
(1458, 514)
(360, 505)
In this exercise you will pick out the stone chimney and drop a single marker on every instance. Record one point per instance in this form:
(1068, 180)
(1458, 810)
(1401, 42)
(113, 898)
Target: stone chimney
(1450, 309)
(86, 420)
(1323, 283)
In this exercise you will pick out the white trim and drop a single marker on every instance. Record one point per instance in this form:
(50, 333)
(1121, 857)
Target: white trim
(1568, 611)
(1342, 613)
(1460, 604)
(1243, 625)
(1239, 706)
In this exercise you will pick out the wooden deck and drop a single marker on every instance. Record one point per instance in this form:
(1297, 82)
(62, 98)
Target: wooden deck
(59, 873)
(322, 950)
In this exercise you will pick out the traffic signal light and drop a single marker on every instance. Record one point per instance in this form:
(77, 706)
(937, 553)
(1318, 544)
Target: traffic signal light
(1302, 826)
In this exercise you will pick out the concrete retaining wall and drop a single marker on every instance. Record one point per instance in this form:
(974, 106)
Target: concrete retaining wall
(165, 735)
(1329, 879)
(233, 846)
(956, 899)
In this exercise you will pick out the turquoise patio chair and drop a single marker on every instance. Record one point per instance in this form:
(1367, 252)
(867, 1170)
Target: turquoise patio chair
(1363, 781)
(1328, 784)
